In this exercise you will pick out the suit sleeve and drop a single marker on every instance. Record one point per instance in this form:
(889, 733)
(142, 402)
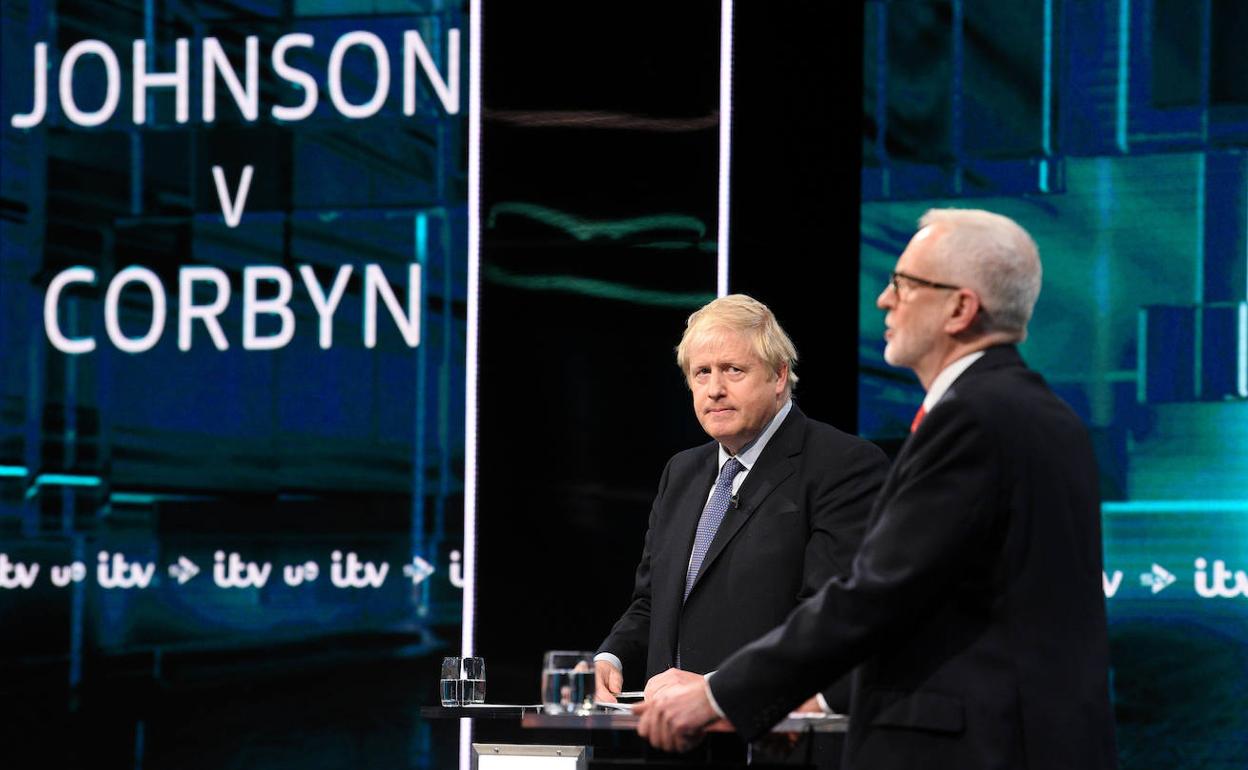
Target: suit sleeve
(842, 503)
(938, 518)
(630, 635)
(849, 484)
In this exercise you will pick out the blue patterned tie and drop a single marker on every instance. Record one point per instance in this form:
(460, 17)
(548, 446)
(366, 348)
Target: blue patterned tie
(712, 515)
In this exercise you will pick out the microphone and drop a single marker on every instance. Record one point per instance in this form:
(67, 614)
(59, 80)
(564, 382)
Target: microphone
(734, 502)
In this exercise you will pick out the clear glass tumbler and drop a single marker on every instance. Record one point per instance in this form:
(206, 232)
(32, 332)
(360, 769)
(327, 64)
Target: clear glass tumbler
(452, 692)
(568, 682)
(472, 685)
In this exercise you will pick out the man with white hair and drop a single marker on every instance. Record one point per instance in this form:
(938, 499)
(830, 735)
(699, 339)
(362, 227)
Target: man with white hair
(744, 526)
(974, 610)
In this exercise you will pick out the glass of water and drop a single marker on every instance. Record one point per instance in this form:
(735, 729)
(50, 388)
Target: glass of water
(452, 692)
(472, 689)
(568, 682)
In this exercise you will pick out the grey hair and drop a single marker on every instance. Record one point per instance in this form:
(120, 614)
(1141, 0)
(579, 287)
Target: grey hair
(993, 255)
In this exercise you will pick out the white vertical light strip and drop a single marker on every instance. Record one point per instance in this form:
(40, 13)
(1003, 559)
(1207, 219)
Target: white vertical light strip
(725, 141)
(474, 309)
(470, 364)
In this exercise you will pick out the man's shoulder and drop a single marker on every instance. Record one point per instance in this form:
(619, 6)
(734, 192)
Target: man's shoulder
(822, 435)
(693, 455)
(1001, 387)
(1001, 398)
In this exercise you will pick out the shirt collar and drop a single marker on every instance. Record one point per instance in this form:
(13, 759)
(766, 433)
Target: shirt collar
(941, 384)
(750, 452)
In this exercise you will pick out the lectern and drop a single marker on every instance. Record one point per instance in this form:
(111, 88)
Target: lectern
(565, 742)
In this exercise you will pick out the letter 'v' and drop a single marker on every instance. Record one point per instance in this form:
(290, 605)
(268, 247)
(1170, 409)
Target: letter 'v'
(232, 210)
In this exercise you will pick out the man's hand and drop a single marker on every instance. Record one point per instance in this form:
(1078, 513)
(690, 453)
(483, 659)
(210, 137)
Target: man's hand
(660, 682)
(608, 681)
(811, 706)
(675, 718)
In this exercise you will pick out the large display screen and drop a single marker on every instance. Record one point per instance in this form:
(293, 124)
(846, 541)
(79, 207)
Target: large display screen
(1093, 126)
(232, 330)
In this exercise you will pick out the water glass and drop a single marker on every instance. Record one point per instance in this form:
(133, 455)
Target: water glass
(472, 684)
(450, 682)
(568, 682)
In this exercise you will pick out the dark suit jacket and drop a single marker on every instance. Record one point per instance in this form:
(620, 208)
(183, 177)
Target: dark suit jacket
(975, 607)
(800, 519)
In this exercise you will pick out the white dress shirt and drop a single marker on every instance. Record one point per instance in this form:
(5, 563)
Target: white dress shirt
(946, 378)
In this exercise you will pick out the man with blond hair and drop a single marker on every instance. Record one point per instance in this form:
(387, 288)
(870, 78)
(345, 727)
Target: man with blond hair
(747, 525)
(974, 611)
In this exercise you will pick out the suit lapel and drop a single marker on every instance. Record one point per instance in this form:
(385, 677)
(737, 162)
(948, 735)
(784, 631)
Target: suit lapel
(687, 511)
(772, 467)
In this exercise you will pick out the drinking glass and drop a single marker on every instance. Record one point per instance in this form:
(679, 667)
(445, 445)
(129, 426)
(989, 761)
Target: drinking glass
(450, 682)
(472, 687)
(568, 682)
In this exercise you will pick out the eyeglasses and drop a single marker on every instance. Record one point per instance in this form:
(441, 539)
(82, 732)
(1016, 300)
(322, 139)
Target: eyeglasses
(896, 277)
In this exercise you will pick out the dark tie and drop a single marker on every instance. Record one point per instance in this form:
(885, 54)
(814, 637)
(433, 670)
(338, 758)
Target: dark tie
(918, 418)
(712, 515)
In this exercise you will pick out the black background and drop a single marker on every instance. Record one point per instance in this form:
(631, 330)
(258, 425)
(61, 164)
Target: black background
(581, 403)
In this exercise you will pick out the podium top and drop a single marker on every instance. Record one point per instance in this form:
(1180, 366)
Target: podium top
(793, 723)
(479, 711)
(532, 716)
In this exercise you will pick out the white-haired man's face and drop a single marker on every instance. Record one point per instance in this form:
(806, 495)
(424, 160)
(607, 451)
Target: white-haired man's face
(916, 309)
(735, 393)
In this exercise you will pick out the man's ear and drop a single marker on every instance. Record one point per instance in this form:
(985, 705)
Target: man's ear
(965, 311)
(782, 378)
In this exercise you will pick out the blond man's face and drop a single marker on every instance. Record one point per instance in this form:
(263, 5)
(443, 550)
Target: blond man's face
(735, 393)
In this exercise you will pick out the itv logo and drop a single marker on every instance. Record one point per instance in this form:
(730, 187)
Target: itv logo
(1222, 583)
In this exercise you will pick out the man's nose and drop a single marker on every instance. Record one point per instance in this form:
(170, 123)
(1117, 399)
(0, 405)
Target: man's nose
(886, 299)
(715, 385)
